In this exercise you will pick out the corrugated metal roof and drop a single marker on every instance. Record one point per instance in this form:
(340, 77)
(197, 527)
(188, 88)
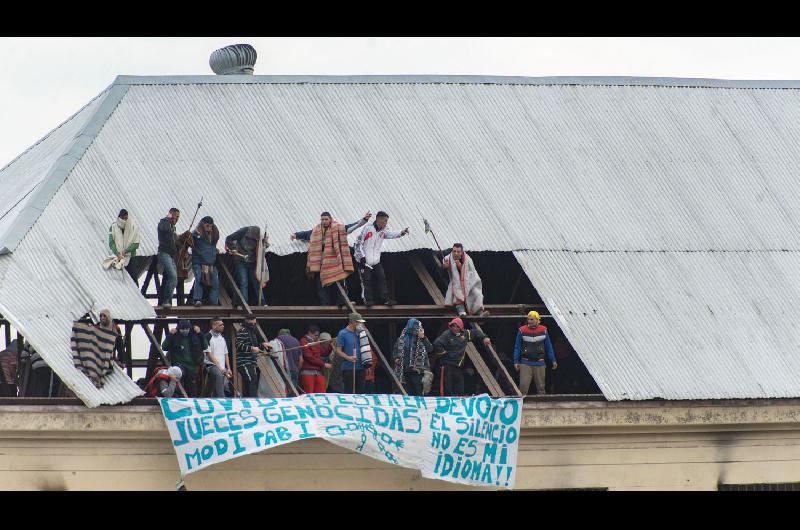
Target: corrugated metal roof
(620, 165)
(677, 325)
(21, 177)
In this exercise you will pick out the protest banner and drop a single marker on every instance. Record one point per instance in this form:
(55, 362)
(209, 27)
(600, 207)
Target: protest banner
(469, 440)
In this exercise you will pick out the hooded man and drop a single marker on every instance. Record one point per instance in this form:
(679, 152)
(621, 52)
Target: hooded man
(368, 257)
(247, 247)
(106, 323)
(123, 240)
(465, 290)
(411, 357)
(185, 346)
(451, 346)
(329, 258)
(315, 361)
(530, 347)
(292, 354)
(204, 259)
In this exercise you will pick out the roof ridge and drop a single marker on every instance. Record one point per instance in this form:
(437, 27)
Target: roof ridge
(57, 127)
(682, 82)
(57, 173)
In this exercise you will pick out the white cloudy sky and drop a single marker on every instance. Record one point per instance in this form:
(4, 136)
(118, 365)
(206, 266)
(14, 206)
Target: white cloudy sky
(45, 80)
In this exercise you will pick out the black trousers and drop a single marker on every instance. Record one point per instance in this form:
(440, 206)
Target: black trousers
(372, 280)
(249, 373)
(329, 293)
(452, 382)
(347, 379)
(188, 380)
(413, 383)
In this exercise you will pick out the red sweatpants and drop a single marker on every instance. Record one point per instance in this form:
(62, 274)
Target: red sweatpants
(312, 384)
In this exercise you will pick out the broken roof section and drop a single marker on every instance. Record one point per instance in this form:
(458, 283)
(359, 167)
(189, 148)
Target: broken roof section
(615, 166)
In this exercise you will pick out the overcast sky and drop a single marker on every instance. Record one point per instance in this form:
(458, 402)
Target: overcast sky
(45, 80)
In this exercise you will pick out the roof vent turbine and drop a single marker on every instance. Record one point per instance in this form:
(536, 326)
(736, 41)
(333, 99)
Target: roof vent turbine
(236, 59)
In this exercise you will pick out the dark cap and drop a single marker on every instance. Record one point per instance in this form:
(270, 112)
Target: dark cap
(207, 219)
(184, 324)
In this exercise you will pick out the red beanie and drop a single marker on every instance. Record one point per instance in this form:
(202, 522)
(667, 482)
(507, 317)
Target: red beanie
(458, 322)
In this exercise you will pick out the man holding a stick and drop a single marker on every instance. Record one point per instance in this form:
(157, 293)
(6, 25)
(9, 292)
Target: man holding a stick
(350, 349)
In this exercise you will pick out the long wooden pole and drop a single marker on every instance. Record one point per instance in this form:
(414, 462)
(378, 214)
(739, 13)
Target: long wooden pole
(374, 344)
(263, 335)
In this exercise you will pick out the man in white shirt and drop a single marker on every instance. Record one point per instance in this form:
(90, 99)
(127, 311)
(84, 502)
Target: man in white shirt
(368, 257)
(216, 358)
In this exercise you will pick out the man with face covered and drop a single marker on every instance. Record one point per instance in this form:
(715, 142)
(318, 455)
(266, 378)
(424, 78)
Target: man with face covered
(451, 347)
(185, 346)
(123, 239)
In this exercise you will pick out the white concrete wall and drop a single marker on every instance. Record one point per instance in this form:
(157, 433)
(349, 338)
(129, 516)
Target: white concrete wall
(644, 445)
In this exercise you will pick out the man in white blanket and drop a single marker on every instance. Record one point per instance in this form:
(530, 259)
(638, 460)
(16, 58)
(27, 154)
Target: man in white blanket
(465, 291)
(123, 240)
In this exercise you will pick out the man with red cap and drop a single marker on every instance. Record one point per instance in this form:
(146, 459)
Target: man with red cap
(530, 348)
(451, 347)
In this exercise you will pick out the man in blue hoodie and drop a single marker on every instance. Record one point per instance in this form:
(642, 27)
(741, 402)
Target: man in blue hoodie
(530, 348)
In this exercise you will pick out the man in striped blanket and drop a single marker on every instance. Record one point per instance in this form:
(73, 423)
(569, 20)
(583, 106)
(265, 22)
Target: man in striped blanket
(93, 348)
(465, 291)
(329, 258)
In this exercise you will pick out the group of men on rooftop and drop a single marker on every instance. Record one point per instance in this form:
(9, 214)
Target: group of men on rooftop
(318, 363)
(308, 360)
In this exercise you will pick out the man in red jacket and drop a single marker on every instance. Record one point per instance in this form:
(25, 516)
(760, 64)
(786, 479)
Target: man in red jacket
(313, 364)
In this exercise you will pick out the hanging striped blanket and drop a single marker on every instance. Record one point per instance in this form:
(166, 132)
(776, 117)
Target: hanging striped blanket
(93, 351)
(363, 346)
(336, 263)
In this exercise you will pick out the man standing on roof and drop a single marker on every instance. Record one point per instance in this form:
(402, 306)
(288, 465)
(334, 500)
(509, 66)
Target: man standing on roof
(204, 261)
(531, 345)
(465, 290)
(305, 235)
(185, 346)
(167, 254)
(451, 346)
(368, 257)
(329, 258)
(243, 244)
(123, 240)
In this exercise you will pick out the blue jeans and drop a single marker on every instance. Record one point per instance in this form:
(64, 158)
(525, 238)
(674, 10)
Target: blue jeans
(248, 283)
(197, 289)
(170, 278)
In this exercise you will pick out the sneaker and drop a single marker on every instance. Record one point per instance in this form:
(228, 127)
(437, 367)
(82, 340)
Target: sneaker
(484, 313)
(369, 303)
(198, 303)
(390, 303)
(462, 314)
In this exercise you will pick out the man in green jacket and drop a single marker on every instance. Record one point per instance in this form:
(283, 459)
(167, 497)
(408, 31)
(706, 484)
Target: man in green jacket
(185, 347)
